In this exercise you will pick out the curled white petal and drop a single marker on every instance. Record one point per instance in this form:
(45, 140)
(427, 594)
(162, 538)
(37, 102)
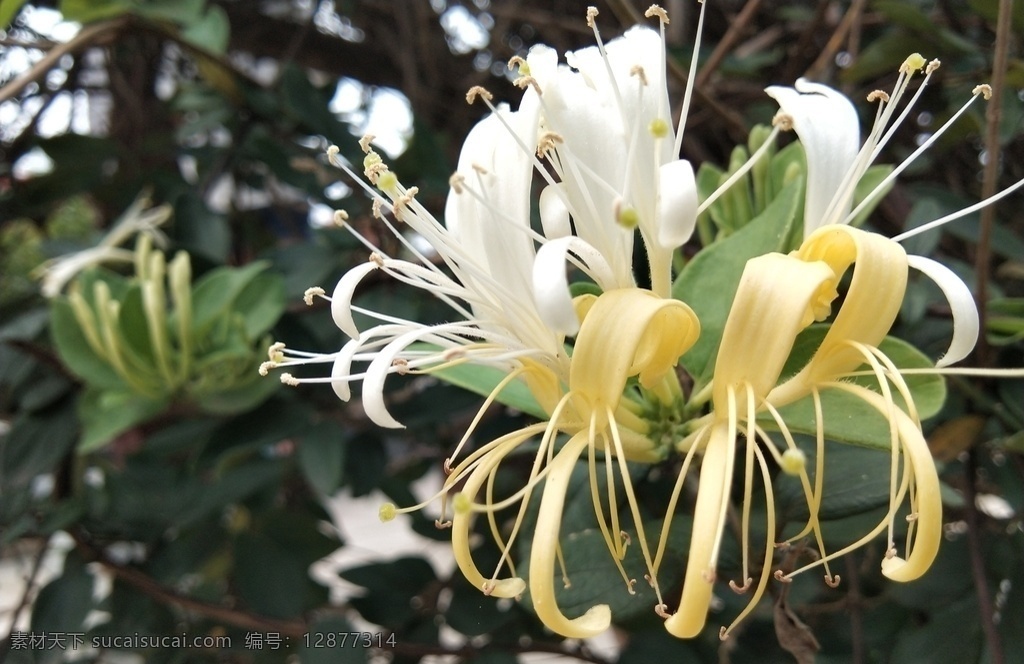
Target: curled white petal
(341, 370)
(551, 285)
(677, 211)
(826, 122)
(966, 326)
(554, 215)
(341, 299)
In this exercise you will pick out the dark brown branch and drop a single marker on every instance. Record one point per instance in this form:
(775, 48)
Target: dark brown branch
(986, 607)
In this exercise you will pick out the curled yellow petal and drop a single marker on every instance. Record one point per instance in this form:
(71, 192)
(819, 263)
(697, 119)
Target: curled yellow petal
(702, 562)
(871, 305)
(508, 587)
(773, 303)
(628, 332)
(545, 546)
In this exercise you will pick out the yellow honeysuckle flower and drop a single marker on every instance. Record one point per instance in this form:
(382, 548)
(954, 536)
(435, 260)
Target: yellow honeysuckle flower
(778, 297)
(624, 333)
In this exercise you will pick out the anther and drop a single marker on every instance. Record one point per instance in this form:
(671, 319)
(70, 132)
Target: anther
(266, 367)
(985, 90)
(447, 466)
(455, 182)
(591, 15)
(891, 552)
(376, 259)
(487, 588)
(631, 586)
(638, 71)
(401, 365)
(626, 539)
(376, 209)
(738, 589)
(332, 152)
(289, 379)
(832, 581)
(456, 353)
(478, 91)
(911, 518)
(709, 575)
(783, 121)
(548, 142)
(340, 217)
(402, 202)
(364, 142)
(480, 168)
(932, 66)
(649, 579)
(875, 95)
(723, 633)
(779, 576)
(662, 611)
(387, 512)
(519, 61)
(656, 10)
(274, 353)
(442, 525)
(310, 293)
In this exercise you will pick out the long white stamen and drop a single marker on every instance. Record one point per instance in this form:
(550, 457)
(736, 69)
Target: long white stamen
(960, 213)
(691, 77)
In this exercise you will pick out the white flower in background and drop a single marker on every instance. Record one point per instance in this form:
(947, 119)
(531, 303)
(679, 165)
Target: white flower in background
(138, 218)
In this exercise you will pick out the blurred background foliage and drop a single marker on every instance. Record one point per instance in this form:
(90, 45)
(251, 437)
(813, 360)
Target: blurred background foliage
(198, 504)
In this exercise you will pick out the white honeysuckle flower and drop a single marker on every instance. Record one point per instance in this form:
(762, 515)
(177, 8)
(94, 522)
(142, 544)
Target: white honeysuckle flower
(829, 130)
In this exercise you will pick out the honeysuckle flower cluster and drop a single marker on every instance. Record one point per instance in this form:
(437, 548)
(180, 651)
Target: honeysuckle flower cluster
(603, 366)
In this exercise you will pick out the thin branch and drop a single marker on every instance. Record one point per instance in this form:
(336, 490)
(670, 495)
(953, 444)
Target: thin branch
(26, 597)
(854, 601)
(828, 53)
(736, 28)
(993, 115)
(86, 38)
(986, 610)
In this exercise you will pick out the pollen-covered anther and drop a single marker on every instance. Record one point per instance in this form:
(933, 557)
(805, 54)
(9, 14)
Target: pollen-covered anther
(662, 611)
(274, 352)
(480, 168)
(783, 121)
(626, 539)
(364, 142)
(523, 82)
(442, 525)
(310, 293)
(832, 580)
(591, 15)
(519, 61)
(912, 517)
(723, 633)
(332, 152)
(779, 576)
(985, 90)
(447, 466)
(377, 209)
(456, 181)
(487, 588)
(387, 512)
(340, 217)
(914, 62)
(477, 91)
(649, 579)
(266, 367)
(656, 10)
(547, 142)
(289, 379)
(738, 589)
(403, 202)
(891, 552)
(932, 66)
(638, 71)
(377, 259)
(401, 365)
(709, 575)
(631, 586)
(876, 95)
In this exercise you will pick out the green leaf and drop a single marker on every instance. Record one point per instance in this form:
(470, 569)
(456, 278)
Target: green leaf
(211, 32)
(261, 303)
(63, 604)
(867, 184)
(88, 11)
(106, 414)
(483, 380)
(847, 418)
(8, 10)
(322, 456)
(240, 398)
(708, 283)
(389, 586)
(215, 293)
(181, 12)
